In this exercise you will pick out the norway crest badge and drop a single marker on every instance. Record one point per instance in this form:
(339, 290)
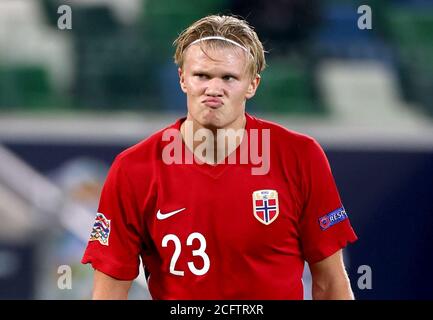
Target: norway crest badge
(265, 206)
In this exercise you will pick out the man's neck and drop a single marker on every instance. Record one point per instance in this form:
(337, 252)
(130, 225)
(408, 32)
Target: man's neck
(212, 145)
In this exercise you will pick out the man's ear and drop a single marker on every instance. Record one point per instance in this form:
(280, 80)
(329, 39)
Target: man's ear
(252, 87)
(181, 80)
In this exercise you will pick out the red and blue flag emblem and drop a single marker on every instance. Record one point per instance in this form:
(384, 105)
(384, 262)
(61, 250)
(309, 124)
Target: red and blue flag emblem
(265, 205)
(101, 229)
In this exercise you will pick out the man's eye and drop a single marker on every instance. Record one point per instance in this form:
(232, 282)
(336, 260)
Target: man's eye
(228, 78)
(201, 76)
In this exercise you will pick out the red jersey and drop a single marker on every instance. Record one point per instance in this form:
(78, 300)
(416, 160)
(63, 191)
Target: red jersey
(217, 231)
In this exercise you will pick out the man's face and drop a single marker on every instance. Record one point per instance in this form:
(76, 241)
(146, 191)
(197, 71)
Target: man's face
(216, 88)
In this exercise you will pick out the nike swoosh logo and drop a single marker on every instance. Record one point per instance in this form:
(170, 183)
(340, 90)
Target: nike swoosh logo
(162, 216)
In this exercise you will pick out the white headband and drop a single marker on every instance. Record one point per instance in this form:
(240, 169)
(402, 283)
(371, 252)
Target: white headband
(220, 38)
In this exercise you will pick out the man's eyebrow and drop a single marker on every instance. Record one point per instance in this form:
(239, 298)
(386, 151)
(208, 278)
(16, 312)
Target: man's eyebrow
(200, 71)
(230, 74)
(208, 73)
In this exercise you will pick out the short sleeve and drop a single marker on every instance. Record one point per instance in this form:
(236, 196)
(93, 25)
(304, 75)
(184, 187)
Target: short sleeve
(115, 241)
(324, 224)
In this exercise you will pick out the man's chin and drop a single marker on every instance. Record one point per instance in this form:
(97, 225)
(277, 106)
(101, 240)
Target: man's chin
(211, 125)
(211, 121)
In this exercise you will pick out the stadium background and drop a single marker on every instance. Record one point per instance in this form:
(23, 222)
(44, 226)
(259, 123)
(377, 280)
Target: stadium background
(70, 100)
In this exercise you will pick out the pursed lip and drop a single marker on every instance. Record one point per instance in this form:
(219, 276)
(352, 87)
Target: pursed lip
(213, 102)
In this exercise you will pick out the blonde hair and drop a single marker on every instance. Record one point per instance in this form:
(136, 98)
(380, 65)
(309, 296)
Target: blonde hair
(228, 27)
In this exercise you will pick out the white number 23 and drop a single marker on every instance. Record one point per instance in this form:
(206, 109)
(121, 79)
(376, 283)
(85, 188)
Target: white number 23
(178, 248)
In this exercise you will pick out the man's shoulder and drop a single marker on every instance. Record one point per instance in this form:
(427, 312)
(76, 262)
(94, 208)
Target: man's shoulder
(148, 149)
(282, 134)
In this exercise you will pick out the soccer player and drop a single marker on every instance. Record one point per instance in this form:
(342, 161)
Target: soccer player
(221, 204)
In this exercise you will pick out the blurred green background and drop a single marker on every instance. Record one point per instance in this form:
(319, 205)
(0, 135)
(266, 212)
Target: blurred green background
(119, 56)
(71, 100)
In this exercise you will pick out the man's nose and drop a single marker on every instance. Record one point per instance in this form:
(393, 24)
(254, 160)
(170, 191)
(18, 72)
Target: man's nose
(214, 87)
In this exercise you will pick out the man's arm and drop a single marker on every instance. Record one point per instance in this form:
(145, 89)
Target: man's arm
(330, 280)
(108, 288)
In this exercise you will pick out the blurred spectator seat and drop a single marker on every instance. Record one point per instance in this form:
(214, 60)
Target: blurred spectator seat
(26, 87)
(286, 87)
(109, 55)
(339, 35)
(282, 25)
(25, 38)
(362, 92)
(113, 64)
(125, 11)
(411, 29)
